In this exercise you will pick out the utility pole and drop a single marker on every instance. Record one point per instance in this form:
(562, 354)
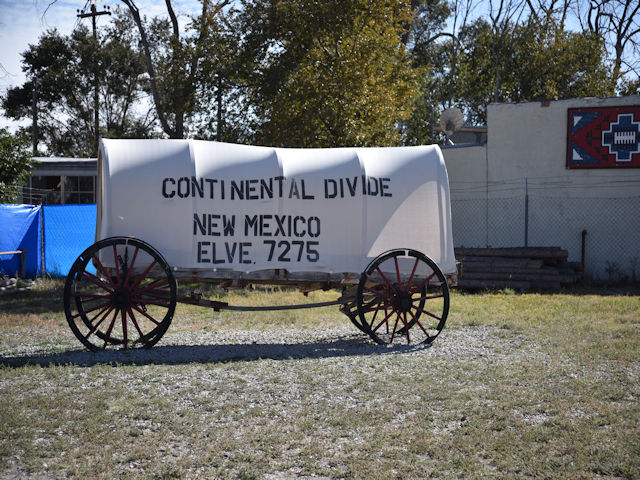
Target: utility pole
(93, 14)
(34, 115)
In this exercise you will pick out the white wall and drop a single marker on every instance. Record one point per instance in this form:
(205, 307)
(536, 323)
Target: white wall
(530, 140)
(467, 171)
(526, 146)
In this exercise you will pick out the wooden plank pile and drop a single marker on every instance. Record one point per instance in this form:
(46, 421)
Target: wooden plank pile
(520, 268)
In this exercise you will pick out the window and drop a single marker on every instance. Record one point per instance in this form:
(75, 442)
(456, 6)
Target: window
(60, 189)
(79, 189)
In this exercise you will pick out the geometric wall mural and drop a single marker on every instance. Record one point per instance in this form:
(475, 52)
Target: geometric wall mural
(603, 137)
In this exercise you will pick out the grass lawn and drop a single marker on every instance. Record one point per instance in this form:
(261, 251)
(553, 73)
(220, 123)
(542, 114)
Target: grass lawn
(517, 386)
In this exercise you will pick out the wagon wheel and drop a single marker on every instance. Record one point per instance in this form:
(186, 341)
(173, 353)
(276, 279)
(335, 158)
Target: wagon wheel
(403, 293)
(120, 292)
(351, 310)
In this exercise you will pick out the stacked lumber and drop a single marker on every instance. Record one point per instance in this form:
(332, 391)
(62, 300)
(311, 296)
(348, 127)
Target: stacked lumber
(520, 268)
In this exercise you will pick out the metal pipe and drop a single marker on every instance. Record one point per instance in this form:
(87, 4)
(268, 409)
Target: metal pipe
(526, 212)
(584, 236)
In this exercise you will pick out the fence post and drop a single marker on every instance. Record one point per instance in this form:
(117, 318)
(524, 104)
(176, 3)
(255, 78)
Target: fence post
(42, 240)
(526, 212)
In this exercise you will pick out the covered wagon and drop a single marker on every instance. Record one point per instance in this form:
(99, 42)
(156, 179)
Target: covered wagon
(374, 223)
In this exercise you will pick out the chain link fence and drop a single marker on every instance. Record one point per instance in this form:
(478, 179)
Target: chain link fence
(612, 226)
(67, 231)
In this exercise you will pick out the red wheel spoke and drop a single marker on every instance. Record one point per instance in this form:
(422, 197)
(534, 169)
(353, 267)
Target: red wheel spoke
(108, 333)
(428, 297)
(406, 326)
(96, 281)
(151, 286)
(108, 307)
(427, 313)
(395, 259)
(106, 311)
(395, 326)
(386, 322)
(115, 262)
(94, 308)
(142, 276)
(130, 268)
(426, 281)
(103, 271)
(141, 301)
(383, 321)
(385, 280)
(375, 309)
(123, 315)
(417, 322)
(135, 322)
(149, 296)
(415, 265)
(378, 293)
(139, 310)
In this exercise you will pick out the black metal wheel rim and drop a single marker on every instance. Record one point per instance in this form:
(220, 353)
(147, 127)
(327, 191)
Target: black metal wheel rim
(402, 297)
(120, 293)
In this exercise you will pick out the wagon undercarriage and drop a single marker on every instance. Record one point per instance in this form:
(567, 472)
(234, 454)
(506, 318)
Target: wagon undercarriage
(121, 293)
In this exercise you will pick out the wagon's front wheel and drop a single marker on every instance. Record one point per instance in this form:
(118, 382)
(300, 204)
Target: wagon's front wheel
(120, 293)
(403, 294)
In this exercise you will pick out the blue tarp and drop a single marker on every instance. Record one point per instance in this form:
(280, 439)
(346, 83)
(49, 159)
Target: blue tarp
(68, 231)
(20, 230)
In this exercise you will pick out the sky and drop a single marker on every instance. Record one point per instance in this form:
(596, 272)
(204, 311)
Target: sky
(23, 21)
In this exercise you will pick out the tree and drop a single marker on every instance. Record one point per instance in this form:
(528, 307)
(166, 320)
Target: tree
(172, 62)
(123, 87)
(436, 59)
(58, 95)
(15, 164)
(46, 65)
(333, 73)
(538, 62)
(222, 110)
(617, 22)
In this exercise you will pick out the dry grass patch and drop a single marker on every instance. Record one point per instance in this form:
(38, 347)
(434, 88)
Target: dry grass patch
(517, 386)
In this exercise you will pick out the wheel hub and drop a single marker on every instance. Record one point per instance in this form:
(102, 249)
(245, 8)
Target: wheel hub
(121, 299)
(402, 301)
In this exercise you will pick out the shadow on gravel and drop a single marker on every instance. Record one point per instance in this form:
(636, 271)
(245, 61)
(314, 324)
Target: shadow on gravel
(185, 354)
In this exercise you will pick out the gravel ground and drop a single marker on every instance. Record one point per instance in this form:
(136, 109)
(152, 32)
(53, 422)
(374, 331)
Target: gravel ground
(272, 399)
(461, 343)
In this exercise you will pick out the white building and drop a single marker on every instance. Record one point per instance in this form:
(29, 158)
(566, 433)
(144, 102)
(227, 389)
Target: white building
(533, 184)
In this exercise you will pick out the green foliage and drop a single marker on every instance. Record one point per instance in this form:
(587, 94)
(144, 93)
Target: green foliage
(222, 110)
(335, 73)
(506, 61)
(529, 62)
(63, 70)
(15, 164)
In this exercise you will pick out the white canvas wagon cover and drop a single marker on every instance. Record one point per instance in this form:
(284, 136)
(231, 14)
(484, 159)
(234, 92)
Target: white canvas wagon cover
(210, 206)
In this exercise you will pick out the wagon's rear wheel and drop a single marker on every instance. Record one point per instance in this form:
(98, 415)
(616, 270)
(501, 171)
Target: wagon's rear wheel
(121, 293)
(403, 296)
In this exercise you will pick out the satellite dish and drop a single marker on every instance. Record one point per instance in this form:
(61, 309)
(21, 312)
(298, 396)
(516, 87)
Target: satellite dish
(451, 120)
